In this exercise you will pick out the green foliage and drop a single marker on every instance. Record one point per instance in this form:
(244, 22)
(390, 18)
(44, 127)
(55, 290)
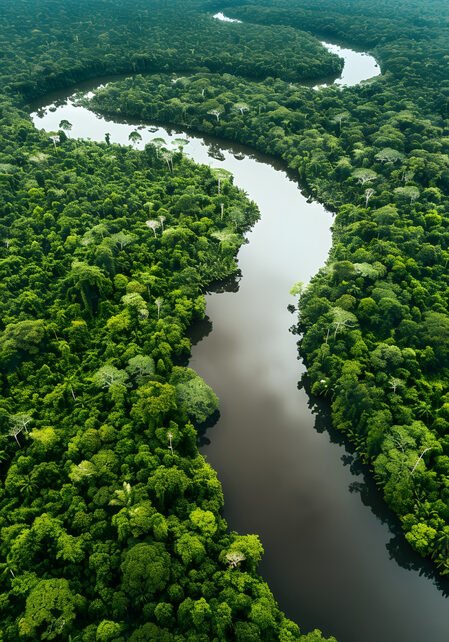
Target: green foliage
(146, 570)
(50, 611)
(194, 396)
(96, 309)
(373, 325)
(96, 302)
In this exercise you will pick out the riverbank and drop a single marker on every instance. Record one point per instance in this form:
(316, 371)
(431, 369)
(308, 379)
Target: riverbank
(313, 519)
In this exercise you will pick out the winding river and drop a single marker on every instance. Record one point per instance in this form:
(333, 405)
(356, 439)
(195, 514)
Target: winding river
(334, 556)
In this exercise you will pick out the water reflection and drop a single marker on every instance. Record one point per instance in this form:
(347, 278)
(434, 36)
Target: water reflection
(370, 496)
(200, 330)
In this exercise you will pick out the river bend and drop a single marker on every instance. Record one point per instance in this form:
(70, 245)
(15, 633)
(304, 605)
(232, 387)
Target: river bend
(333, 555)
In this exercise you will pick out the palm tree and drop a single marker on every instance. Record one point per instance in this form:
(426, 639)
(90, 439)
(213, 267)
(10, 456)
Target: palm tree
(424, 411)
(27, 485)
(19, 423)
(123, 497)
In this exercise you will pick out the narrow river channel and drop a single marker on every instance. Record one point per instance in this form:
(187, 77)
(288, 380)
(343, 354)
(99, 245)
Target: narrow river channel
(332, 554)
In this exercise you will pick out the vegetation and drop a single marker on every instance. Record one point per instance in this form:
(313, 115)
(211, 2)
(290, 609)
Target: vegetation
(110, 520)
(373, 323)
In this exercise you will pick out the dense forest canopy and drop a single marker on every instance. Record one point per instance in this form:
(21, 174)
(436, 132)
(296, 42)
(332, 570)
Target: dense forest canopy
(110, 520)
(54, 44)
(111, 525)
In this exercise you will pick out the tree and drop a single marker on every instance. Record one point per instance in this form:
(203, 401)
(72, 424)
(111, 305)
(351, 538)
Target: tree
(159, 301)
(23, 336)
(197, 399)
(122, 239)
(241, 107)
(46, 437)
(389, 155)
(141, 365)
(50, 611)
(170, 442)
(54, 139)
(168, 158)
(134, 137)
(108, 631)
(153, 401)
(204, 521)
(221, 175)
(247, 545)
(65, 125)
(145, 571)
(168, 485)
(123, 497)
(235, 558)
(190, 549)
(153, 225)
(341, 319)
(19, 423)
(180, 143)
(368, 194)
(136, 302)
(15, 431)
(215, 112)
(421, 537)
(339, 118)
(297, 290)
(409, 193)
(395, 383)
(82, 471)
(158, 143)
(109, 375)
(364, 175)
(227, 238)
(87, 280)
(441, 549)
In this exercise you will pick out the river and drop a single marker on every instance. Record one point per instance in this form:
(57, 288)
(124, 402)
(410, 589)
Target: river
(333, 555)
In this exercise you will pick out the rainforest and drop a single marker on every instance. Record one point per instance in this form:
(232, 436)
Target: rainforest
(116, 256)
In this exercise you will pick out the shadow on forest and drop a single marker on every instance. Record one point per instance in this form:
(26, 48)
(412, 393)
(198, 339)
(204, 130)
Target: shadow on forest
(370, 495)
